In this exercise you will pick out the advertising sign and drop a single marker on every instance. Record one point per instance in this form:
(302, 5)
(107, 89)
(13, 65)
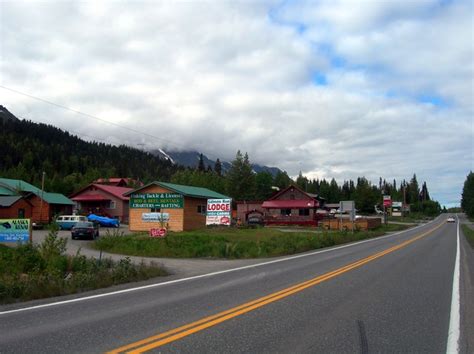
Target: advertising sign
(219, 212)
(158, 233)
(387, 200)
(157, 200)
(14, 230)
(155, 217)
(346, 206)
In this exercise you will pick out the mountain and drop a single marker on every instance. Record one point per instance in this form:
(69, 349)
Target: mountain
(6, 115)
(191, 159)
(70, 163)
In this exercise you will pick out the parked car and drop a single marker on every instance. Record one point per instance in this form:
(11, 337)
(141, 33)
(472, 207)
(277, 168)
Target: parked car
(450, 219)
(104, 221)
(85, 229)
(67, 222)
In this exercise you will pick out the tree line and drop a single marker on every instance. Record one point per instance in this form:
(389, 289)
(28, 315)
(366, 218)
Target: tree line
(241, 183)
(71, 163)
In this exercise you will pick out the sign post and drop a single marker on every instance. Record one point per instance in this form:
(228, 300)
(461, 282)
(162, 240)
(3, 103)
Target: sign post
(387, 203)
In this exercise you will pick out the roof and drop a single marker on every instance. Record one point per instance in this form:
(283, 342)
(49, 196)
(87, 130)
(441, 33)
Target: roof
(290, 204)
(90, 198)
(187, 191)
(17, 185)
(117, 192)
(56, 198)
(9, 200)
(6, 191)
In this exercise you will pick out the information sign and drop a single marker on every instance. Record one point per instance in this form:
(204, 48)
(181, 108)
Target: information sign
(157, 200)
(15, 230)
(219, 212)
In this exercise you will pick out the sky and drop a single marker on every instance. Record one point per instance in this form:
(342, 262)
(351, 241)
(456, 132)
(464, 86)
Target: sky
(334, 89)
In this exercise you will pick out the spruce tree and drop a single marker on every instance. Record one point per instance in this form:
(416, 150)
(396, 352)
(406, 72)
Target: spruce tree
(467, 201)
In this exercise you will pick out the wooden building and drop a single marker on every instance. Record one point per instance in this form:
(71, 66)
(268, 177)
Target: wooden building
(104, 200)
(15, 207)
(44, 205)
(174, 206)
(247, 208)
(292, 206)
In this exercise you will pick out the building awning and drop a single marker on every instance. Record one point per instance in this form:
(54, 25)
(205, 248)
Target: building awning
(290, 204)
(90, 198)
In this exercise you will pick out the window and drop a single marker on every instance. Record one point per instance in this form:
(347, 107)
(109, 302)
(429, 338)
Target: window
(21, 213)
(304, 212)
(155, 210)
(286, 212)
(201, 209)
(111, 204)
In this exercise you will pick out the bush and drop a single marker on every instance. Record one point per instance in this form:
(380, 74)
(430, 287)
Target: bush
(32, 272)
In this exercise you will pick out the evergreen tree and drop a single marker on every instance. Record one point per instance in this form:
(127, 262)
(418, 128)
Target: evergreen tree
(201, 167)
(467, 200)
(264, 181)
(218, 167)
(241, 179)
(282, 180)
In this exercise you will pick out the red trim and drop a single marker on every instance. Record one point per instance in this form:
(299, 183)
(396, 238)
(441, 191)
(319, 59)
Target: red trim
(290, 204)
(90, 198)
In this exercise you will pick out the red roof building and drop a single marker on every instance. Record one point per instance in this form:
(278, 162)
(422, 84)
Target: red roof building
(119, 182)
(292, 206)
(105, 200)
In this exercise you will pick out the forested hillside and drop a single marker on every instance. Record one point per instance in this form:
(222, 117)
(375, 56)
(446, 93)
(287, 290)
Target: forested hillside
(28, 149)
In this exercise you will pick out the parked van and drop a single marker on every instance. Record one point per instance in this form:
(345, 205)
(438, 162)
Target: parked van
(67, 222)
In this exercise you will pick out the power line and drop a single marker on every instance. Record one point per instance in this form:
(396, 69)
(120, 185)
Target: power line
(89, 115)
(97, 118)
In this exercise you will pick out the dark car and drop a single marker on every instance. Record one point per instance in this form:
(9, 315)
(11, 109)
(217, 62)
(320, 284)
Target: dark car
(85, 229)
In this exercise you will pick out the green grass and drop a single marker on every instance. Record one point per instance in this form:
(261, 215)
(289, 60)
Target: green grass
(30, 272)
(232, 243)
(469, 234)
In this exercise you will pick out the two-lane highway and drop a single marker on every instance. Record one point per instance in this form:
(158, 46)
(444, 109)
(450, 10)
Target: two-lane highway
(390, 294)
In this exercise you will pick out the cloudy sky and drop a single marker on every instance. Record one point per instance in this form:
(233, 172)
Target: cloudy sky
(330, 88)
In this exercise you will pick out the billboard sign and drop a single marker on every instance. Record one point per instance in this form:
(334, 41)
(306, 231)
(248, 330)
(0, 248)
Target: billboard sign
(346, 206)
(157, 201)
(15, 230)
(387, 200)
(219, 212)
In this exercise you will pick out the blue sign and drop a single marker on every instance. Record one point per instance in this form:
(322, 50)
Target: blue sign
(14, 230)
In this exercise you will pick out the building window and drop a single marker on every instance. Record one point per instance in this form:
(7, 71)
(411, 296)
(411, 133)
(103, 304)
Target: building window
(285, 212)
(111, 204)
(304, 212)
(201, 209)
(155, 210)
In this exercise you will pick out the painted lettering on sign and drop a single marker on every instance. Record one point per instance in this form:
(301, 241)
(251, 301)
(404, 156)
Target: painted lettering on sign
(219, 212)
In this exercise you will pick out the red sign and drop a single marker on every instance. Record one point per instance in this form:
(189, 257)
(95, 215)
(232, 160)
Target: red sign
(159, 233)
(387, 201)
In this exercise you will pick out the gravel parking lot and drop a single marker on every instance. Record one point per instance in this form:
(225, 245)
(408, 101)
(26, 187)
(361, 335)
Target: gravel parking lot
(177, 267)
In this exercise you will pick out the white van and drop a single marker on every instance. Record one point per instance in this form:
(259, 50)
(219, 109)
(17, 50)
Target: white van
(67, 222)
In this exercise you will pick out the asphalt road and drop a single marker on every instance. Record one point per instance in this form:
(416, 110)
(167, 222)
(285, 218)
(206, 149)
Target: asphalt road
(391, 294)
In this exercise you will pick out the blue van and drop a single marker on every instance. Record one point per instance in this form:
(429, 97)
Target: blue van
(67, 222)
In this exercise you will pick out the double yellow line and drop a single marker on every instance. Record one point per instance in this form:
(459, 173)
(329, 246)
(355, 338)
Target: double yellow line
(186, 330)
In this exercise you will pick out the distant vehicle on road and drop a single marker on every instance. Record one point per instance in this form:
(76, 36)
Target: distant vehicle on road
(85, 229)
(451, 219)
(67, 222)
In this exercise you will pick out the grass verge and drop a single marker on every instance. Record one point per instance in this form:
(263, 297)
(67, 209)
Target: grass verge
(232, 243)
(469, 234)
(30, 272)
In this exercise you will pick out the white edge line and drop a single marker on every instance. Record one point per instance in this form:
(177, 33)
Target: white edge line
(206, 275)
(455, 318)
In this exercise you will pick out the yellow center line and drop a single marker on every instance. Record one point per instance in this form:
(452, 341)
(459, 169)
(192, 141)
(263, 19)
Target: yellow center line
(158, 340)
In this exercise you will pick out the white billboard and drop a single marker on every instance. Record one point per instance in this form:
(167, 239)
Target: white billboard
(219, 212)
